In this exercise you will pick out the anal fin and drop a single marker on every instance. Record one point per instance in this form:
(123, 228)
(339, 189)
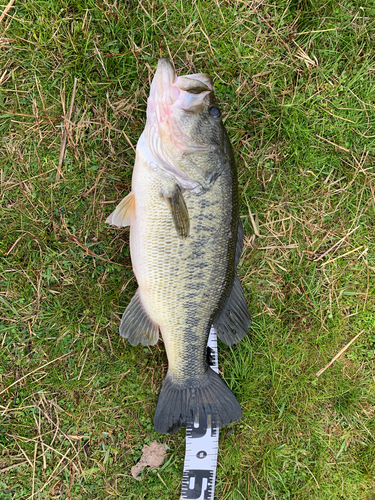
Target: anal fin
(137, 326)
(123, 213)
(233, 323)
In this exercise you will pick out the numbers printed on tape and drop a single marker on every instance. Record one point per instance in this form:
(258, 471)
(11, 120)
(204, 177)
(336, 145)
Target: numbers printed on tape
(202, 440)
(198, 484)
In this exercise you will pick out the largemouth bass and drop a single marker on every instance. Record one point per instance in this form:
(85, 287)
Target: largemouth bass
(185, 242)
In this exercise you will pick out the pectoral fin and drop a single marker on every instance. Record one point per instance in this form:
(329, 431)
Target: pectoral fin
(179, 211)
(122, 215)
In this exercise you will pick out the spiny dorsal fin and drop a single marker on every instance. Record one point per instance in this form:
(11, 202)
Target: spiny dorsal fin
(240, 238)
(234, 321)
(136, 325)
(179, 212)
(122, 215)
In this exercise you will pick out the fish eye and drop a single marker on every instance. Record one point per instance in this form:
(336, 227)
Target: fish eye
(214, 112)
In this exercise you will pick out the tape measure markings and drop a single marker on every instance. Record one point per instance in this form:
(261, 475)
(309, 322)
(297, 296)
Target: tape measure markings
(202, 446)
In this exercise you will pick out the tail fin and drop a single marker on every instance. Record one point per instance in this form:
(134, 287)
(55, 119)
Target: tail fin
(179, 404)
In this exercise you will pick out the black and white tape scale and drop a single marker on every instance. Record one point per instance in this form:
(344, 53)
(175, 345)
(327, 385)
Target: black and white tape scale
(202, 445)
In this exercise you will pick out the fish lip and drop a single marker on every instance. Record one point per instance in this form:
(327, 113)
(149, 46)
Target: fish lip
(165, 66)
(167, 82)
(162, 83)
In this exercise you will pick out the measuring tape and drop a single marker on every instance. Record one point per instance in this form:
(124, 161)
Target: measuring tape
(202, 446)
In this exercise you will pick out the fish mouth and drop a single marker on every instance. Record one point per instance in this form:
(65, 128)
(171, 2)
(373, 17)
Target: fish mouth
(163, 91)
(169, 90)
(168, 93)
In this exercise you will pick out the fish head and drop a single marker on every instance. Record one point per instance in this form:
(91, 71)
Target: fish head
(183, 119)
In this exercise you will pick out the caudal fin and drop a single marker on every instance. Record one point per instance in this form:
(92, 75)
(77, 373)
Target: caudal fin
(180, 404)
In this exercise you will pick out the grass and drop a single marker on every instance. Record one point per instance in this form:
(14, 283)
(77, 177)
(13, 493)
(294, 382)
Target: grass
(296, 83)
